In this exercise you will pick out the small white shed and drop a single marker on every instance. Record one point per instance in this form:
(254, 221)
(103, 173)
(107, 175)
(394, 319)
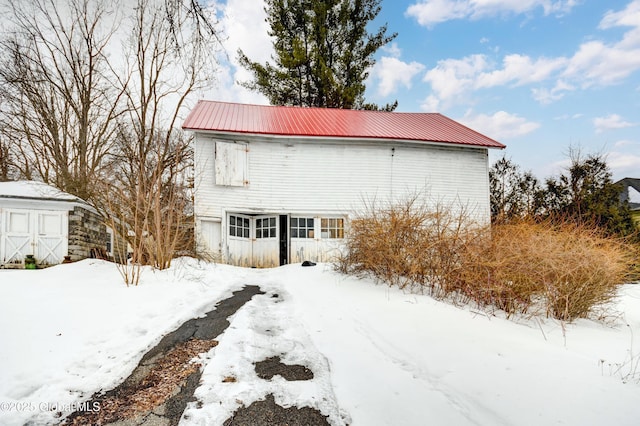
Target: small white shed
(277, 185)
(40, 220)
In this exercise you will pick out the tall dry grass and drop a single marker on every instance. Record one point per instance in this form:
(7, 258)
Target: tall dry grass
(563, 268)
(559, 270)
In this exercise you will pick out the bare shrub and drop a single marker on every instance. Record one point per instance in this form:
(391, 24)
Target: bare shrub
(409, 244)
(561, 270)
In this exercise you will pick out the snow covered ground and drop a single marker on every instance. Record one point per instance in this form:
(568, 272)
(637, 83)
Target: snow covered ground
(379, 356)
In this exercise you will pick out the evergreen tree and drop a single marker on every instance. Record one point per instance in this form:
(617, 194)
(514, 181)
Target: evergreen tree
(586, 194)
(323, 52)
(513, 194)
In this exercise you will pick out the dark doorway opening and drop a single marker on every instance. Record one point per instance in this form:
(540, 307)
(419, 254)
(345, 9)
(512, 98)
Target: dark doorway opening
(284, 239)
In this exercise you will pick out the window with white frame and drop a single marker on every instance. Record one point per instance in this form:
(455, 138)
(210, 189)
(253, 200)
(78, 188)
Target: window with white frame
(238, 226)
(266, 227)
(332, 227)
(302, 227)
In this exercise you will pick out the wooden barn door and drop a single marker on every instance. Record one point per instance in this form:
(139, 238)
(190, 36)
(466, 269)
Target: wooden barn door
(17, 234)
(266, 251)
(51, 236)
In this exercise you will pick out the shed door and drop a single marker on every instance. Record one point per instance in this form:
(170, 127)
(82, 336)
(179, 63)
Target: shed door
(16, 236)
(42, 233)
(50, 237)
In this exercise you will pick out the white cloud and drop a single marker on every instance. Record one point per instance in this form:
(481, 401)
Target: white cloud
(612, 121)
(453, 77)
(520, 69)
(568, 117)
(501, 125)
(623, 164)
(392, 50)
(625, 142)
(546, 96)
(243, 23)
(392, 72)
(630, 17)
(430, 104)
(432, 12)
(598, 63)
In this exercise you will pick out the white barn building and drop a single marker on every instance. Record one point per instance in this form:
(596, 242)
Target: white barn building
(277, 185)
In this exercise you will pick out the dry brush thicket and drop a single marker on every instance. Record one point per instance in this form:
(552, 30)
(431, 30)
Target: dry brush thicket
(560, 270)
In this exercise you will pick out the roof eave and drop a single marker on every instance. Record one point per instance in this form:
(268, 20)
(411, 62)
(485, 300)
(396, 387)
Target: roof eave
(341, 138)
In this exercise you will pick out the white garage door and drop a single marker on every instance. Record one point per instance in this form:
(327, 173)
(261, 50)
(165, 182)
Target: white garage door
(42, 233)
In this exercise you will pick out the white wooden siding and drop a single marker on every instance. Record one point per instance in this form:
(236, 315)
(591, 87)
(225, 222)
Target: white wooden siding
(318, 177)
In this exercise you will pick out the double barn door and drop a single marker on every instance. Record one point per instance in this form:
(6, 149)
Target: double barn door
(260, 241)
(42, 233)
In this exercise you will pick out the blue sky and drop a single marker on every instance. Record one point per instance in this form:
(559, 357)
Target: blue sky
(541, 76)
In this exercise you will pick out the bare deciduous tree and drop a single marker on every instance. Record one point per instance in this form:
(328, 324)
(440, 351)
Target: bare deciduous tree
(168, 60)
(99, 118)
(6, 164)
(60, 101)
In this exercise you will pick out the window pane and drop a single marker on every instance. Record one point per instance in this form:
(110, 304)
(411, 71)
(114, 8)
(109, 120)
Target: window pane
(258, 223)
(246, 224)
(294, 222)
(294, 233)
(232, 220)
(272, 232)
(232, 231)
(324, 223)
(246, 232)
(272, 221)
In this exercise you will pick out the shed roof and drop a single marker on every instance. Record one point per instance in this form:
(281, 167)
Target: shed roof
(29, 189)
(332, 123)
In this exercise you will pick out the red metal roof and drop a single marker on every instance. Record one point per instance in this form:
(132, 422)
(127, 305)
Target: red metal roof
(332, 123)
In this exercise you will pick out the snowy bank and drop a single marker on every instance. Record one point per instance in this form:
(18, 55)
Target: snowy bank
(379, 356)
